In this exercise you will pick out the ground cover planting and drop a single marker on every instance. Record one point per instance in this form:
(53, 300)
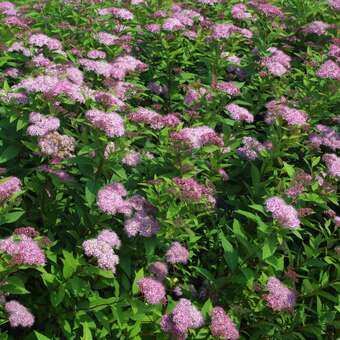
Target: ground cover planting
(169, 170)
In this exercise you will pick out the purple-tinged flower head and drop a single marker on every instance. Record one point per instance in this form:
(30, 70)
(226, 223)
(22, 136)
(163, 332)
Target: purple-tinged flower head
(224, 31)
(19, 47)
(61, 174)
(186, 316)
(286, 215)
(110, 199)
(159, 270)
(40, 40)
(334, 51)
(8, 187)
(177, 254)
(209, 2)
(56, 145)
(141, 224)
(280, 298)
(18, 315)
(11, 72)
(109, 150)
(110, 122)
(157, 88)
(126, 64)
(239, 113)
(329, 70)
(96, 54)
(160, 14)
(103, 252)
(223, 174)
(278, 63)
(110, 237)
(279, 109)
(228, 88)
(334, 4)
(197, 137)
(41, 61)
(172, 25)
(108, 99)
(267, 9)
(316, 27)
(192, 35)
(100, 67)
(27, 231)
(121, 13)
(132, 158)
(153, 28)
(41, 125)
(7, 8)
(74, 75)
(106, 39)
(194, 191)
(251, 148)
(152, 290)
(239, 11)
(333, 164)
(178, 291)
(300, 181)
(326, 136)
(222, 326)
(23, 250)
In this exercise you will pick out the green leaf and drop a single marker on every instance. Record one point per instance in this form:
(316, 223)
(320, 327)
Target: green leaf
(138, 276)
(230, 254)
(14, 285)
(9, 153)
(87, 335)
(70, 264)
(269, 248)
(41, 336)
(11, 217)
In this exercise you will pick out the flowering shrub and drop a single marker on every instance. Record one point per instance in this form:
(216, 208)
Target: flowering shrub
(169, 170)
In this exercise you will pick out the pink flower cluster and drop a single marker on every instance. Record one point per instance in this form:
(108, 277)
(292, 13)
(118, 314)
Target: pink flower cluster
(326, 136)
(280, 298)
(41, 125)
(125, 65)
(239, 113)
(197, 137)
(251, 148)
(152, 290)
(335, 4)
(193, 191)
(154, 119)
(286, 215)
(159, 270)
(267, 9)
(23, 250)
(110, 200)
(8, 187)
(278, 63)
(185, 316)
(222, 326)
(330, 70)
(317, 27)
(279, 108)
(177, 254)
(193, 95)
(299, 183)
(56, 145)
(7, 8)
(102, 248)
(228, 88)
(239, 11)
(18, 315)
(110, 122)
(121, 13)
(224, 31)
(106, 39)
(333, 164)
(61, 174)
(41, 40)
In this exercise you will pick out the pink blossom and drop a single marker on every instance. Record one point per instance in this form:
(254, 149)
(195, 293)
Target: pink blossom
(316, 27)
(329, 70)
(286, 215)
(8, 187)
(333, 164)
(132, 158)
(222, 326)
(239, 113)
(239, 11)
(41, 125)
(228, 88)
(18, 315)
(152, 290)
(280, 298)
(177, 254)
(110, 122)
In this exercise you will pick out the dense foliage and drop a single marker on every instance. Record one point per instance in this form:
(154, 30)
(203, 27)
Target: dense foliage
(169, 170)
